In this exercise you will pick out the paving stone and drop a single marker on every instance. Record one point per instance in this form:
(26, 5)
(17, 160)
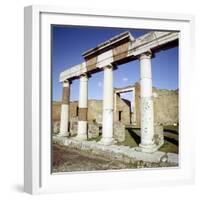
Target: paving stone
(121, 153)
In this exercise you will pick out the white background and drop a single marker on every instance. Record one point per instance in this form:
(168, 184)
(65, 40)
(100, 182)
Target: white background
(11, 100)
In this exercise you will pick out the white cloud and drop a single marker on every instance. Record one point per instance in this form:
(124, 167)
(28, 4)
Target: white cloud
(125, 79)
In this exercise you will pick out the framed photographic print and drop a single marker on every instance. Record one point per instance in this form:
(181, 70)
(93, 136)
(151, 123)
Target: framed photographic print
(107, 99)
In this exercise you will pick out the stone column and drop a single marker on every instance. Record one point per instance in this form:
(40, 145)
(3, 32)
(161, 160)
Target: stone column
(146, 105)
(107, 122)
(116, 117)
(83, 108)
(64, 118)
(133, 117)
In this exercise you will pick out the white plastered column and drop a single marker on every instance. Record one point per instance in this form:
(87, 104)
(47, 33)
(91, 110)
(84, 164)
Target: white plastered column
(83, 106)
(133, 117)
(146, 105)
(64, 118)
(107, 122)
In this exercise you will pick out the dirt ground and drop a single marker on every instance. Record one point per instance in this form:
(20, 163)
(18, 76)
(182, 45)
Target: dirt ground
(69, 160)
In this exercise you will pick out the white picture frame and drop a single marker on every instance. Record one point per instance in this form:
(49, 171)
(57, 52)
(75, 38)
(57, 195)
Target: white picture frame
(38, 177)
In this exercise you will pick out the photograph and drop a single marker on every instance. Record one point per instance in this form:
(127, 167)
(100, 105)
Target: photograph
(114, 98)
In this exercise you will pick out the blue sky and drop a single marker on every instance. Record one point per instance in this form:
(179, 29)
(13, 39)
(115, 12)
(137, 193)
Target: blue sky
(69, 42)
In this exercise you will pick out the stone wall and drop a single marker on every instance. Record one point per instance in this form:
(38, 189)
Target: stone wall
(165, 105)
(56, 111)
(94, 110)
(165, 108)
(123, 110)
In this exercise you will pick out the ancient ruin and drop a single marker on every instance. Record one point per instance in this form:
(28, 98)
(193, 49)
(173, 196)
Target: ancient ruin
(82, 120)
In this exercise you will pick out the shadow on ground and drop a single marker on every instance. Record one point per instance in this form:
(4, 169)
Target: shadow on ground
(171, 143)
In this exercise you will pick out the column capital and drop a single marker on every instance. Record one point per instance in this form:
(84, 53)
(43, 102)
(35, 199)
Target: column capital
(84, 76)
(108, 66)
(66, 83)
(146, 55)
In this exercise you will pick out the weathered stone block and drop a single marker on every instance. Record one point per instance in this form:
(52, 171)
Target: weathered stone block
(93, 130)
(73, 126)
(74, 129)
(119, 131)
(120, 153)
(158, 134)
(56, 127)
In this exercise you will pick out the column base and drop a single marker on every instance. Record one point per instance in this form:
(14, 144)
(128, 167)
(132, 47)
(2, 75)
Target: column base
(160, 144)
(147, 148)
(107, 141)
(81, 137)
(63, 134)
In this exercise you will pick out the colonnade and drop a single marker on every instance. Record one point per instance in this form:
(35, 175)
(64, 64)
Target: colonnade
(146, 106)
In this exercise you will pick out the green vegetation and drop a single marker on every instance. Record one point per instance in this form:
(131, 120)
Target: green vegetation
(169, 147)
(173, 129)
(129, 140)
(97, 139)
(132, 139)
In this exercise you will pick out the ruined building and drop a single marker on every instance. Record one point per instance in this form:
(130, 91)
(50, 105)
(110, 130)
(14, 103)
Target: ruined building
(125, 111)
(116, 113)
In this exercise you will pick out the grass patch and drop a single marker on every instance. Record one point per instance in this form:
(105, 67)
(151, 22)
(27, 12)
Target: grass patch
(97, 139)
(129, 139)
(132, 139)
(169, 147)
(172, 129)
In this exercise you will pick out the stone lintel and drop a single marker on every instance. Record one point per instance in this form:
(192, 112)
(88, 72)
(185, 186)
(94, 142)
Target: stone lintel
(91, 63)
(124, 89)
(154, 41)
(109, 44)
(123, 47)
(73, 72)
